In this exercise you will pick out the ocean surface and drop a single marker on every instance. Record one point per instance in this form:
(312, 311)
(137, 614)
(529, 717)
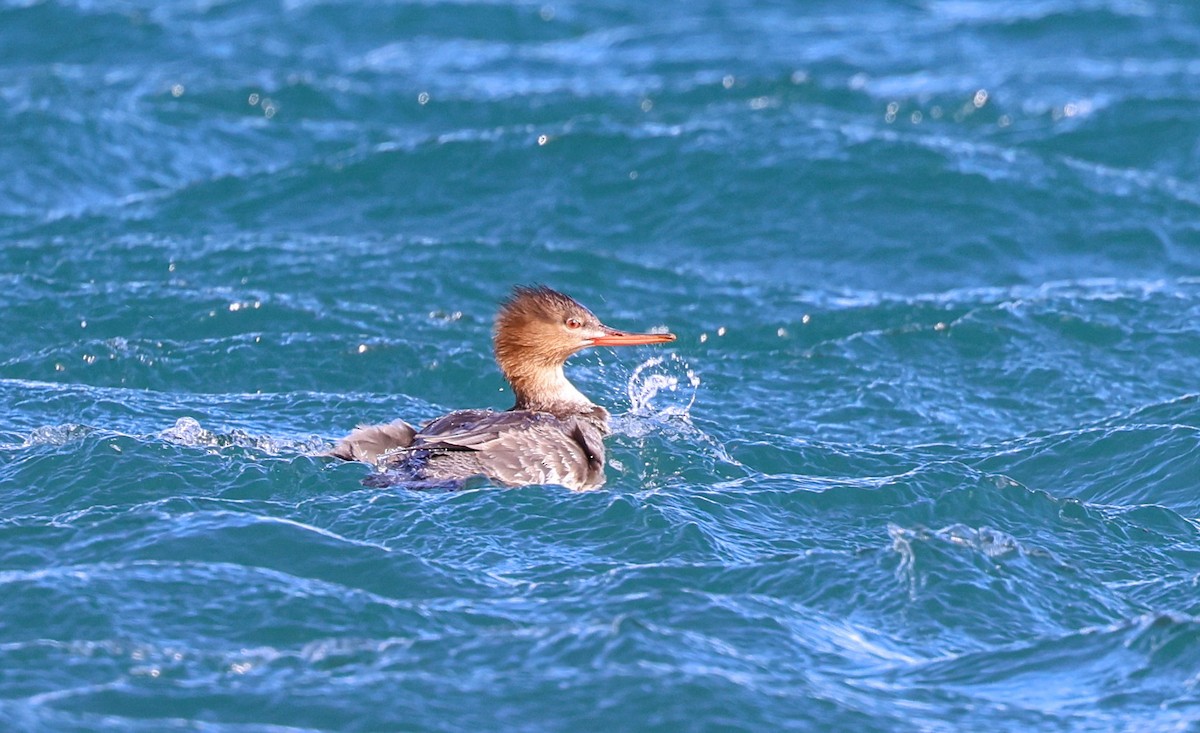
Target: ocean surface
(925, 457)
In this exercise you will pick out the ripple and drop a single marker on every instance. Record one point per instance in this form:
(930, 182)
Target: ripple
(921, 459)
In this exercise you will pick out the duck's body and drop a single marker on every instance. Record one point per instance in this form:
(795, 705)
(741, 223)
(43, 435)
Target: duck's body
(513, 448)
(552, 435)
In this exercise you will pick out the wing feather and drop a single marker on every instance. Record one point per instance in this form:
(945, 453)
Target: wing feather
(370, 442)
(514, 447)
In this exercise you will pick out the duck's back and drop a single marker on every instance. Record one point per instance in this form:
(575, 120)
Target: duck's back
(515, 447)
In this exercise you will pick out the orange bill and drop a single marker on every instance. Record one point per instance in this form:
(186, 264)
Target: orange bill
(613, 337)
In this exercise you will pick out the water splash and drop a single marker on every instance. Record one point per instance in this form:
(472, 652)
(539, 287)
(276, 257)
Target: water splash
(662, 391)
(662, 386)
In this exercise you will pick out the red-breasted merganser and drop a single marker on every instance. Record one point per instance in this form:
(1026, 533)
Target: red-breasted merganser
(552, 435)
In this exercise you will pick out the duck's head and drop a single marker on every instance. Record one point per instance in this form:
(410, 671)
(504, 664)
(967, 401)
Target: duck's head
(538, 329)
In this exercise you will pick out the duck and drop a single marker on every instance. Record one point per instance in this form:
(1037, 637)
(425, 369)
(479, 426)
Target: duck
(553, 434)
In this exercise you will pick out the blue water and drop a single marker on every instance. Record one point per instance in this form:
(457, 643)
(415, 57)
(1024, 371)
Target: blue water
(926, 456)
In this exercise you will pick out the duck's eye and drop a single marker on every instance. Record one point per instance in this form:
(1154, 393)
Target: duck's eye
(573, 323)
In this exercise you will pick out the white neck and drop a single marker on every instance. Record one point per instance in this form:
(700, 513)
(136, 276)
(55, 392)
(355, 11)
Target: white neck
(547, 388)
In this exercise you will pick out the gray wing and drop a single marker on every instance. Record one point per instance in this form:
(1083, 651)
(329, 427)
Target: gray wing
(515, 447)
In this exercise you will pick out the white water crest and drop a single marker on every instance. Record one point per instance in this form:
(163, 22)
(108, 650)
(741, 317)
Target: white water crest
(187, 431)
